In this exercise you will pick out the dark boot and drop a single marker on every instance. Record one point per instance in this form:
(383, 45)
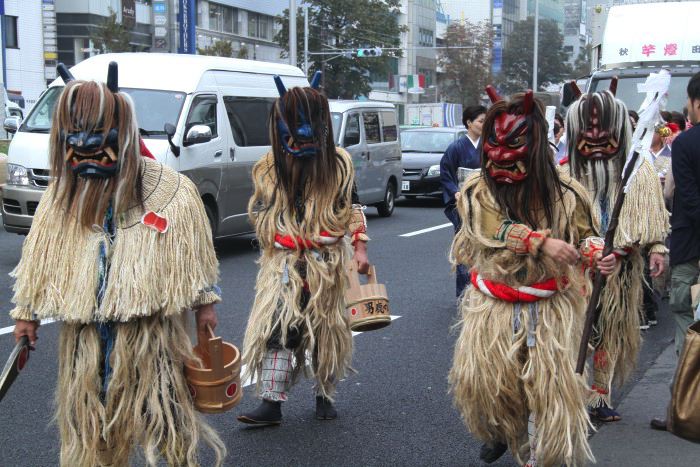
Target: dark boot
(325, 409)
(268, 413)
(491, 452)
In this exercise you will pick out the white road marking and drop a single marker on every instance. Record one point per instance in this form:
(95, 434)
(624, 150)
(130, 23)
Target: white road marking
(9, 329)
(429, 229)
(308, 357)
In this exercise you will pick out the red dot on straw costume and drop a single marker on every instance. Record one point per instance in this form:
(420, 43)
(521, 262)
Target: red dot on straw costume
(231, 389)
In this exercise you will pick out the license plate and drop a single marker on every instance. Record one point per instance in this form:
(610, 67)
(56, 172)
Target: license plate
(405, 185)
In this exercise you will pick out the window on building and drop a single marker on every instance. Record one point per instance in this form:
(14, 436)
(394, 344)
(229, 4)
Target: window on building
(425, 37)
(11, 40)
(248, 119)
(260, 26)
(223, 18)
(230, 20)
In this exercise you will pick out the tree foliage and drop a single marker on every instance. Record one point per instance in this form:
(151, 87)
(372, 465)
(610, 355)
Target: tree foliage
(345, 25)
(466, 72)
(582, 65)
(518, 55)
(220, 48)
(111, 36)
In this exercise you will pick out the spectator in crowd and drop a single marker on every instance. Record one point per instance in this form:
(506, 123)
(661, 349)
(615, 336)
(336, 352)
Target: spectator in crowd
(634, 118)
(685, 236)
(559, 138)
(465, 152)
(685, 222)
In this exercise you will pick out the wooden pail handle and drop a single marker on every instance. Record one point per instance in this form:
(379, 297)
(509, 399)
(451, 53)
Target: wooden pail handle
(211, 344)
(372, 275)
(353, 276)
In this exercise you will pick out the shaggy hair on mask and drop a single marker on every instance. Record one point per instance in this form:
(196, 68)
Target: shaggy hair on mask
(87, 199)
(541, 188)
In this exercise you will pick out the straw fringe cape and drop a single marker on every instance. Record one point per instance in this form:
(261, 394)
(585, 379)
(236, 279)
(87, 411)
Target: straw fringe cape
(643, 223)
(150, 273)
(278, 306)
(152, 278)
(496, 379)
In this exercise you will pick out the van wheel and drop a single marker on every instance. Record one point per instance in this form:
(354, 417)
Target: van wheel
(211, 215)
(386, 207)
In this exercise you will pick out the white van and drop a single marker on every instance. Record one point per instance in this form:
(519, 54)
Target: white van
(216, 110)
(369, 131)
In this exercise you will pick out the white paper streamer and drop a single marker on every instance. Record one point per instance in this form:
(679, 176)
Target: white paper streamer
(649, 114)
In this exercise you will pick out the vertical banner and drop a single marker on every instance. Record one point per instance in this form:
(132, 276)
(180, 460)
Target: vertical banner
(129, 13)
(186, 19)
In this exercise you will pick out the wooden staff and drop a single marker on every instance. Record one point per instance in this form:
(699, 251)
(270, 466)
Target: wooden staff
(599, 282)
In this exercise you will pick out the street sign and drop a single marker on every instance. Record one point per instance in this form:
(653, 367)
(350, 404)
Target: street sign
(160, 43)
(159, 7)
(160, 31)
(160, 20)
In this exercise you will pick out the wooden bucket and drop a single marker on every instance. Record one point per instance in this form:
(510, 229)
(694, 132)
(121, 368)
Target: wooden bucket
(215, 386)
(367, 304)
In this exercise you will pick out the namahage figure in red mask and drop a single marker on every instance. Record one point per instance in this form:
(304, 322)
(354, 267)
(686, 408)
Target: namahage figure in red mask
(526, 232)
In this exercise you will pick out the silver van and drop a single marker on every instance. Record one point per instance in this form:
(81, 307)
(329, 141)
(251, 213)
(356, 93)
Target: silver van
(369, 131)
(203, 116)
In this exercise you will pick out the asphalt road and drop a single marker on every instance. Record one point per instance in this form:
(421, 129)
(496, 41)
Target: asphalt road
(394, 411)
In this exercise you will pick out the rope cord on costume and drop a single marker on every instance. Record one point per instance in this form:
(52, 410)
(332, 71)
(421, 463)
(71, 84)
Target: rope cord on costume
(106, 329)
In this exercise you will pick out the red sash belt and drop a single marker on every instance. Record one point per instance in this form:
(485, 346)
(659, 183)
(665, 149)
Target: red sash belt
(289, 242)
(527, 294)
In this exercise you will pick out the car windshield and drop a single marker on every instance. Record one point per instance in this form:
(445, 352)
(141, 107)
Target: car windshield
(336, 121)
(153, 110)
(426, 141)
(627, 91)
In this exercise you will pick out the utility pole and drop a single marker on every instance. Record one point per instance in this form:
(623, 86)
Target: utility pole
(306, 39)
(293, 32)
(534, 58)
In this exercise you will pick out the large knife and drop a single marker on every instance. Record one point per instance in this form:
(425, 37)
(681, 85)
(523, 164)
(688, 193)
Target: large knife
(18, 359)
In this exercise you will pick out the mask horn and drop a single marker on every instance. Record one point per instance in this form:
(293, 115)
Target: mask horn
(63, 72)
(528, 102)
(575, 90)
(113, 77)
(280, 86)
(316, 80)
(493, 94)
(613, 85)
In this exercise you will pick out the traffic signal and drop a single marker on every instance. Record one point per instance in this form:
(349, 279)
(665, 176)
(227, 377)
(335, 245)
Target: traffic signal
(373, 52)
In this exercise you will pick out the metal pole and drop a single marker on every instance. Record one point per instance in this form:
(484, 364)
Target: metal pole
(306, 39)
(534, 58)
(293, 32)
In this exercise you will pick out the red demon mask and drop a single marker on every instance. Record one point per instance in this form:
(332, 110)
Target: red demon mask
(507, 145)
(601, 133)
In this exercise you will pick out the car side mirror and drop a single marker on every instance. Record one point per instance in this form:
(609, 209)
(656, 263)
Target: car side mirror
(197, 134)
(169, 129)
(11, 124)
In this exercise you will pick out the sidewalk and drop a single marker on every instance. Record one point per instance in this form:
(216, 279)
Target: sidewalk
(631, 442)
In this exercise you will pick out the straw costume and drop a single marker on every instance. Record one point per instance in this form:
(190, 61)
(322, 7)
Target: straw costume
(120, 251)
(599, 133)
(302, 207)
(513, 369)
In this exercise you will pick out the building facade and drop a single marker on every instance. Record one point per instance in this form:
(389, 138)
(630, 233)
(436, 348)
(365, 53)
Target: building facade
(78, 20)
(249, 26)
(24, 56)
